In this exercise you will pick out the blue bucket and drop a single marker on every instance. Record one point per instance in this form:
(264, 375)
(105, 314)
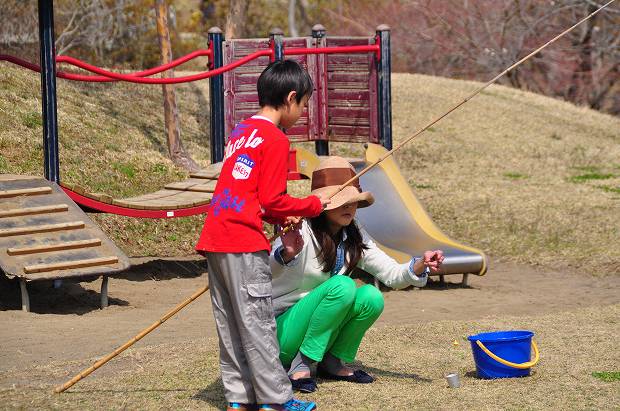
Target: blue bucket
(503, 354)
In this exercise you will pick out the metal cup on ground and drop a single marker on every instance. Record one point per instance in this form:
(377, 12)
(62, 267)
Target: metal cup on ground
(453, 380)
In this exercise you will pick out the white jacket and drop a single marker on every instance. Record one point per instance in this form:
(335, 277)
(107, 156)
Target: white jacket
(293, 281)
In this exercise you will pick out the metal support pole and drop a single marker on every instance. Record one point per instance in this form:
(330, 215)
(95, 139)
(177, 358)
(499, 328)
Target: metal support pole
(321, 147)
(276, 36)
(384, 86)
(104, 291)
(216, 94)
(24, 292)
(48, 90)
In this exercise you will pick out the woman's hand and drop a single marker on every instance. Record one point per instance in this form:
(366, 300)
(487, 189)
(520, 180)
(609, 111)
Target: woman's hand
(433, 260)
(292, 241)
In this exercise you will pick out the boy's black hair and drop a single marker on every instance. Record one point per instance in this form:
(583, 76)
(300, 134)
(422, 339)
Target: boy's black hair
(279, 79)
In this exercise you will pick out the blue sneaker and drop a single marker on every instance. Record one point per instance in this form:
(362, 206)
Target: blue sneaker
(236, 406)
(291, 405)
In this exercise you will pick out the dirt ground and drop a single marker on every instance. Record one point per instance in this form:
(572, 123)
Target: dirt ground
(66, 323)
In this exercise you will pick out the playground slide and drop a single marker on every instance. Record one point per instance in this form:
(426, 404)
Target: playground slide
(397, 221)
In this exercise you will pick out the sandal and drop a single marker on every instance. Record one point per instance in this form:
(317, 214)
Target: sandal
(358, 376)
(305, 385)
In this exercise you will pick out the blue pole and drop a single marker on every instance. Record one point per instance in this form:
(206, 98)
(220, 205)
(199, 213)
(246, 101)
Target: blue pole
(216, 93)
(277, 37)
(384, 73)
(48, 90)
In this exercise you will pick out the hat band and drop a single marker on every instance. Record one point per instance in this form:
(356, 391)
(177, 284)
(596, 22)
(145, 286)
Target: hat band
(333, 177)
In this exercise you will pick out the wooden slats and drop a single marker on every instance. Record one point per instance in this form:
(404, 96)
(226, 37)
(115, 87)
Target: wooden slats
(25, 192)
(41, 228)
(200, 186)
(206, 174)
(68, 245)
(47, 236)
(68, 265)
(56, 208)
(193, 192)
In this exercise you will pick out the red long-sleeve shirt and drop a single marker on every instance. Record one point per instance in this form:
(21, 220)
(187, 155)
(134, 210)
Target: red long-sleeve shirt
(252, 188)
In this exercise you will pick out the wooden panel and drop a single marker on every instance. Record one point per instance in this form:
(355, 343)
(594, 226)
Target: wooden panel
(207, 174)
(193, 184)
(41, 229)
(176, 200)
(149, 196)
(69, 245)
(80, 190)
(40, 268)
(352, 93)
(25, 192)
(241, 98)
(51, 247)
(234, 50)
(57, 208)
(319, 127)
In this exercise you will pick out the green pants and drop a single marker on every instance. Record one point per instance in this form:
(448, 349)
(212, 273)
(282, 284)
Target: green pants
(332, 318)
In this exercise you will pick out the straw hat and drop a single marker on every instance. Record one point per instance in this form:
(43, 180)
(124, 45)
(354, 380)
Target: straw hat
(330, 174)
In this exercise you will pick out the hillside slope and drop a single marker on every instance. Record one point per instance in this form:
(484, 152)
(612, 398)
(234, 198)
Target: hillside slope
(522, 176)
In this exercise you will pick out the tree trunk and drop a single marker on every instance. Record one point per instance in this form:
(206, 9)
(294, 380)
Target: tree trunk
(235, 19)
(178, 155)
(292, 25)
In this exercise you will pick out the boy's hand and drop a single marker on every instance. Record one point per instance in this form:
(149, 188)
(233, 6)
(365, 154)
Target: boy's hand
(293, 243)
(291, 221)
(433, 260)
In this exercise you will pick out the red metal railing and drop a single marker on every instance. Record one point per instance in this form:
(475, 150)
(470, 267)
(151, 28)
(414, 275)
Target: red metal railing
(371, 48)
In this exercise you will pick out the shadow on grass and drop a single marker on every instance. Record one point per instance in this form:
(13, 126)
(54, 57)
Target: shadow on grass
(69, 298)
(213, 394)
(378, 372)
(164, 269)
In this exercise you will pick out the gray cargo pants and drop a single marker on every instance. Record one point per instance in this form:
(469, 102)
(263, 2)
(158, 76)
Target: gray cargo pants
(240, 286)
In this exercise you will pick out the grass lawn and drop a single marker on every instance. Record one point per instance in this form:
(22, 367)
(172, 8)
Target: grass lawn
(579, 359)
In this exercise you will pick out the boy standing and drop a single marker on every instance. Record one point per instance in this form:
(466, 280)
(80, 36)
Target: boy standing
(252, 188)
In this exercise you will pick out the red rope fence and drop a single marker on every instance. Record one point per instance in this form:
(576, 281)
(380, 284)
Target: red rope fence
(101, 79)
(143, 76)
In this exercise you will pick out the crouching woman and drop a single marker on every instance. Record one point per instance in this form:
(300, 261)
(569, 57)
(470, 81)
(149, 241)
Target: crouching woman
(321, 314)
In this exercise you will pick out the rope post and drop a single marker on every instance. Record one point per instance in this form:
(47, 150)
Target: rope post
(321, 146)
(384, 86)
(216, 94)
(276, 38)
(48, 91)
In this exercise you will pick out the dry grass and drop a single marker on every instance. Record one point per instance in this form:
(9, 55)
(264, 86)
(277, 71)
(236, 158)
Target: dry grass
(410, 363)
(522, 176)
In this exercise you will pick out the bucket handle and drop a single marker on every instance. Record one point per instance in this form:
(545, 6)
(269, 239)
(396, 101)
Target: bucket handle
(521, 366)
